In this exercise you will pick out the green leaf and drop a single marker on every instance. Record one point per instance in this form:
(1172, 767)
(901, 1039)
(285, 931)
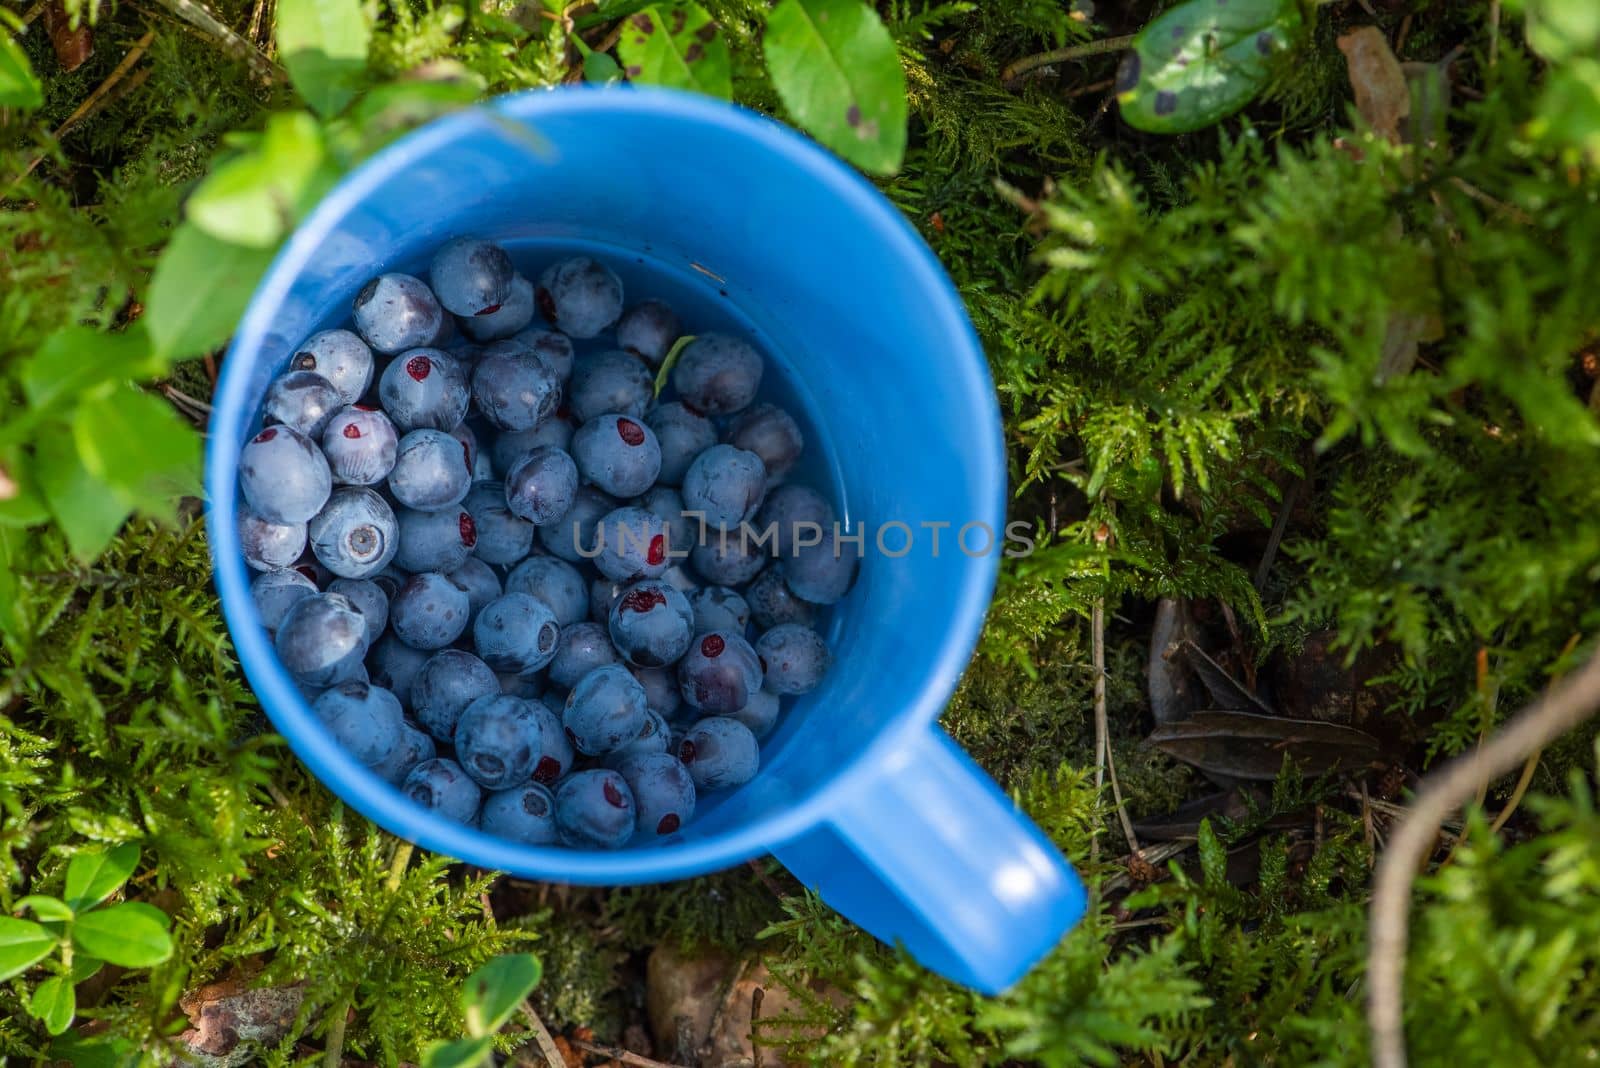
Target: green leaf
(1202, 61)
(45, 907)
(254, 198)
(11, 626)
(18, 87)
(88, 515)
(102, 1052)
(23, 943)
(132, 934)
(1562, 29)
(462, 1053)
(600, 69)
(53, 1002)
(83, 966)
(22, 503)
(75, 359)
(676, 46)
(94, 876)
(324, 46)
(200, 289)
(837, 69)
(137, 445)
(494, 991)
(671, 361)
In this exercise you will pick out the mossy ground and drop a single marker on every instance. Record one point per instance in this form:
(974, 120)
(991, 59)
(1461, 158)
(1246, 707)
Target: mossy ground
(1184, 331)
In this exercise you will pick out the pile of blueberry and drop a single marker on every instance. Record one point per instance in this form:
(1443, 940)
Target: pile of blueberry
(494, 613)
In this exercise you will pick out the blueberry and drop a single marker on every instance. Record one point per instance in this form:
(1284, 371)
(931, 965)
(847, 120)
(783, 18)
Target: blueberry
(719, 673)
(441, 785)
(682, 435)
(360, 445)
(798, 513)
(542, 486)
(821, 573)
(430, 471)
(654, 737)
(527, 687)
(594, 809)
(610, 382)
(415, 747)
(555, 749)
(760, 714)
(772, 434)
(552, 346)
(394, 665)
(603, 594)
(717, 374)
(501, 536)
(370, 601)
(719, 752)
(663, 792)
(682, 530)
(617, 453)
(724, 485)
(396, 311)
(514, 391)
(435, 541)
(727, 557)
(275, 592)
(303, 401)
(605, 710)
(516, 632)
(480, 582)
(267, 545)
(497, 741)
(794, 658)
(511, 445)
(366, 720)
(283, 476)
(339, 356)
(579, 296)
(515, 313)
(651, 624)
(648, 330)
(447, 683)
(556, 583)
(322, 639)
(573, 536)
(719, 608)
(471, 276)
(525, 814)
(356, 534)
(772, 602)
(631, 544)
(660, 690)
(424, 388)
(582, 648)
(679, 578)
(429, 611)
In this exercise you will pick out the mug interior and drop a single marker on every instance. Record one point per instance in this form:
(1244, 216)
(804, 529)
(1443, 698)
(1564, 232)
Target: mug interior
(746, 227)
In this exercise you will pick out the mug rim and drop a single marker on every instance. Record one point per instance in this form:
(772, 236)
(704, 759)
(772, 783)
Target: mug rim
(357, 786)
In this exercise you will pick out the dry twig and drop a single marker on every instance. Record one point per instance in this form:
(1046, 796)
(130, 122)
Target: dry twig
(1064, 55)
(620, 1054)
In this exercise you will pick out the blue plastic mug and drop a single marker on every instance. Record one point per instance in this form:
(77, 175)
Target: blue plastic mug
(859, 793)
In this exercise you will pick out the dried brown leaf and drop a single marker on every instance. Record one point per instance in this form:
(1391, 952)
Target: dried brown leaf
(1382, 96)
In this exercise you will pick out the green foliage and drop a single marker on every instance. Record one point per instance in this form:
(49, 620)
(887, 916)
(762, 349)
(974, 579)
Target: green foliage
(490, 996)
(683, 50)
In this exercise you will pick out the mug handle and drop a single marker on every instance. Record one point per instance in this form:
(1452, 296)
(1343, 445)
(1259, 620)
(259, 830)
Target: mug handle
(931, 854)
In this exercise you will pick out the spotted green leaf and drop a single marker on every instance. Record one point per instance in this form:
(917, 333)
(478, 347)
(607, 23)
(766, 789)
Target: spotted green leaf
(1202, 61)
(677, 46)
(838, 71)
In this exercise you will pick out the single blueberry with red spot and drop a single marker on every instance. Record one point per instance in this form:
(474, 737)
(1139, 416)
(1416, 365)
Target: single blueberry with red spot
(604, 711)
(449, 681)
(618, 453)
(579, 296)
(525, 814)
(516, 632)
(681, 435)
(356, 534)
(283, 476)
(651, 624)
(719, 673)
(394, 312)
(470, 276)
(719, 752)
(430, 471)
(503, 537)
(595, 809)
(631, 544)
(610, 381)
(429, 611)
(435, 541)
(717, 374)
(441, 785)
(360, 445)
(682, 528)
(424, 388)
(663, 792)
(498, 741)
(514, 314)
(556, 754)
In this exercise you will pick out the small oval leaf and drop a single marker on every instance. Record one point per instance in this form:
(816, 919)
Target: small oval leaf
(23, 944)
(55, 1003)
(1202, 61)
(133, 935)
(95, 875)
(494, 991)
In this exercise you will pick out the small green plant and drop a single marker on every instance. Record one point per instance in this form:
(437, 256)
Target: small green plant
(83, 934)
(491, 996)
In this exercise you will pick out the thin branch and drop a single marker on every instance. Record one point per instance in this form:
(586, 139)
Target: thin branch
(1523, 782)
(1279, 525)
(620, 1054)
(541, 1037)
(1563, 707)
(1102, 728)
(333, 1048)
(1064, 55)
(397, 865)
(1494, 32)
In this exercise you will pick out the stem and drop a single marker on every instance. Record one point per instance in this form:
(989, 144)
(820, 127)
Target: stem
(1063, 55)
(397, 866)
(333, 1051)
(1563, 707)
